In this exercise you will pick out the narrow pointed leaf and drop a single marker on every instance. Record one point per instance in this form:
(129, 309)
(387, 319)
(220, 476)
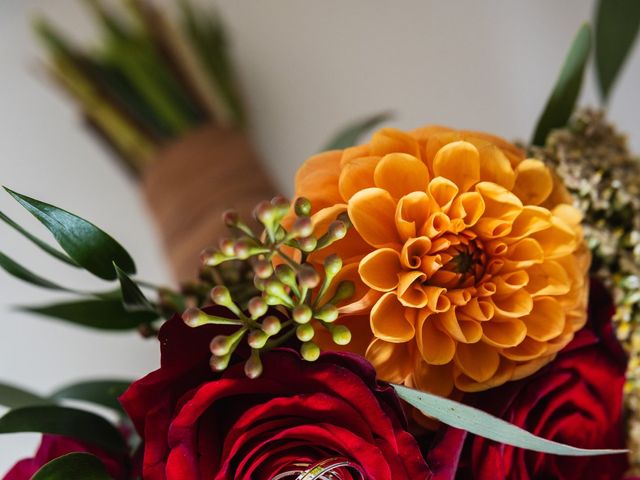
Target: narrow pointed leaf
(350, 135)
(86, 244)
(565, 93)
(100, 392)
(103, 314)
(13, 268)
(481, 423)
(70, 422)
(616, 27)
(43, 245)
(73, 466)
(133, 299)
(13, 397)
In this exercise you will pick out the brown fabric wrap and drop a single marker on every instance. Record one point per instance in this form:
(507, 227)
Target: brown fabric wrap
(192, 182)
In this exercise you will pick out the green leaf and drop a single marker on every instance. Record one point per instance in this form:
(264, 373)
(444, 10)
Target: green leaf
(86, 244)
(481, 423)
(43, 245)
(616, 27)
(103, 314)
(13, 397)
(100, 392)
(567, 88)
(73, 466)
(70, 422)
(350, 135)
(133, 299)
(18, 271)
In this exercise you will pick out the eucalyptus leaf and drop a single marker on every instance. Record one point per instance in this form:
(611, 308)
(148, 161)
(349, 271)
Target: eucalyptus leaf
(86, 244)
(73, 466)
(13, 268)
(481, 423)
(616, 27)
(350, 135)
(13, 397)
(565, 93)
(103, 314)
(133, 299)
(42, 245)
(70, 422)
(100, 392)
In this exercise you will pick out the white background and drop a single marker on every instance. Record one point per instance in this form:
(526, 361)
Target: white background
(306, 68)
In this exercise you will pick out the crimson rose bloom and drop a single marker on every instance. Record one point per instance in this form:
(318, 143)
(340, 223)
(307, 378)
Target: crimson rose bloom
(577, 400)
(199, 425)
(54, 446)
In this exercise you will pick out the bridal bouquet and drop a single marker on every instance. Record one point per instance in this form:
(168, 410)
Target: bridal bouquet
(432, 304)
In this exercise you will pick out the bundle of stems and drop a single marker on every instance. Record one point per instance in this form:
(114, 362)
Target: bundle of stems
(151, 78)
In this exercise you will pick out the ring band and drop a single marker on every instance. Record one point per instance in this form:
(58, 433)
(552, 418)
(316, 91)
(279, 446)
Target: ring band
(319, 471)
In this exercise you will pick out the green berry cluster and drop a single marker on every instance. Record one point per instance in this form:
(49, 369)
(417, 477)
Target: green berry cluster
(291, 301)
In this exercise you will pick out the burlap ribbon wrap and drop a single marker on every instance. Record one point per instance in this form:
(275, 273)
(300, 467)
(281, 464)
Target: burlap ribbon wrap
(194, 180)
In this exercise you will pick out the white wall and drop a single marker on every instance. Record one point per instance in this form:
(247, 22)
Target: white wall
(307, 68)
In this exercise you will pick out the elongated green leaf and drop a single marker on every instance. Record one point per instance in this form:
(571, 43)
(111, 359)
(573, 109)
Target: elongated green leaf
(349, 136)
(100, 392)
(567, 88)
(86, 244)
(481, 423)
(103, 314)
(133, 299)
(18, 271)
(13, 397)
(43, 245)
(73, 466)
(71, 422)
(616, 27)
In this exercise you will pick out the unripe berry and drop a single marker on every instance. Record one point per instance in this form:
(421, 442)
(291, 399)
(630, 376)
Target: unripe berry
(310, 351)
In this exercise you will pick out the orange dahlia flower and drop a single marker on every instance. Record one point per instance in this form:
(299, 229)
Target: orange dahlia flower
(469, 263)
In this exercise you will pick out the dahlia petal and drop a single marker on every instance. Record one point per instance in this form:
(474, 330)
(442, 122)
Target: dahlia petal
(532, 219)
(557, 241)
(372, 212)
(546, 320)
(435, 379)
(317, 179)
(479, 361)
(503, 374)
(513, 305)
(356, 175)
(443, 191)
(380, 269)
(480, 310)
(504, 333)
(460, 163)
(548, 278)
(524, 253)
(357, 151)
(527, 350)
(511, 281)
(437, 224)
(391, 140)
(465, 331)
(569, 214)
(468, 207)
(533, 182)
(488, 228)
(410, 291)
(413, 251)
(392, 361)
(412, 213)
(435, 346)
(401, 174)
(495, 167)
(499, 202)
(389, 321)
(523, 370)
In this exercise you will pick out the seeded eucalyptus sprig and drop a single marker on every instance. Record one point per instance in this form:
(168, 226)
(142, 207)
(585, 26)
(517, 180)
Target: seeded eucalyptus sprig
(291, 300)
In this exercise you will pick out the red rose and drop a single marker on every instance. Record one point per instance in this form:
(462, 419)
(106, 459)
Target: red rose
(199, 425)
(577, 400)
(54, 446)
